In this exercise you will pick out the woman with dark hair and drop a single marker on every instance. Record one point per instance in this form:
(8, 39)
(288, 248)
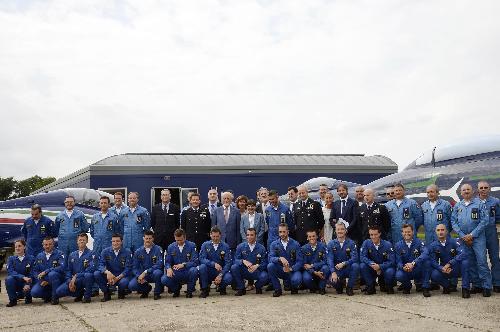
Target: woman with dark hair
(19, 276)
(241, 204)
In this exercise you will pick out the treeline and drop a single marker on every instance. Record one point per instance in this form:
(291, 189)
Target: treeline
(11, 188)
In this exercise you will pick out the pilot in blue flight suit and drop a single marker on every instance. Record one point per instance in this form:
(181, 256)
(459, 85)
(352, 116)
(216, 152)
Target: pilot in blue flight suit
(19, 274)
(135, 222)
(35, 229)
(315, 268)
(103, 225)
(436, 211)
(276, 213)
(403, 211)
(68, 224)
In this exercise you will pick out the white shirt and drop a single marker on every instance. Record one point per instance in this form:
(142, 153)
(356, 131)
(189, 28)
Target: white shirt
(116, 252)
(291, 204)
(147, 250)
(215, 246)
(251, 220)
(398, 202)
(341, 244)
(48, 255)
(409, 244)
(466, 203)
(69, 213)
(443, 243)
(133, 209)
(103, 215)
(20, 258)
(80, 253)
(118, 210)
(284, 243)
(164, 207)
(252, 246)
(369, 205)
(376, 245)
(36, 221)
(432, 204)
(181, 248)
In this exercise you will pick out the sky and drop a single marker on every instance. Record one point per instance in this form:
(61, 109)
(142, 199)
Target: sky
(84, 80)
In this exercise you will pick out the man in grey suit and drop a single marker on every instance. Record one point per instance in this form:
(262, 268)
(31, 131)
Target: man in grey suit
(227, 218)
(252, 219)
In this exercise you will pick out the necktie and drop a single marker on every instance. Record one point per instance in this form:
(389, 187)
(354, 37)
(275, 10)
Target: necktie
(342, 207)
(212, 208)
(226, 214)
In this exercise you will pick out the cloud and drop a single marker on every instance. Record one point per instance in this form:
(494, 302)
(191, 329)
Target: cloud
(80, 81)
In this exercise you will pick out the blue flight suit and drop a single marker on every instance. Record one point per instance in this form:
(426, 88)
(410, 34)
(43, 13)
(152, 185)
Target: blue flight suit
(417, 253)
(274, 217)
(121, 214)
(153, 264)
(120, 264)
(408, 212)
(83, 267)
(317, 258)
(441, 214)
(54, 274)
(293, 254)
(134, 224)
(347, 253)
(35, 233)
(472, 219)
(188, 274)
(16, 271)
(240, 272)
(68, 228)
(208, 257)
(493, 210)
(451, 252)
(102, 230)
(383, 256)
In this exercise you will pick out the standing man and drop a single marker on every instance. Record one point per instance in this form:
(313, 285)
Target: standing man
(469, 219)
(345, 209)
(48, 272)
(359, 195)
(115, 268)
(307, 215)
(79, 272)
(263, 200)
(436, 211)
(250, 262)
(227, 219)
(254, 220)
(196, 222)
(493, 211)
(403, 211)
(276, 214)
(181, 262)
(343, 260)
(147, 267)
(377, 261)
(35, 229)
(315, 274)
(103, 225)
(135, 222)
(372, 214)
(293, 195)
(213, 202)
(412, 262)
(69, 223)
(448, 262)
(323, 189)
(119, 208)
(215, 264)
(285, 262)
(165, 218)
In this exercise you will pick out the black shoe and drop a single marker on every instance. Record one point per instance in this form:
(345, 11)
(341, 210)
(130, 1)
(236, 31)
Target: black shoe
(313, 291)
(54, 302)
(189, 295)
(476, 290)
(322, 291)
(156, 297)
(453, 289)
(28, 300)
(106, 297)
(496, 289)
(465, 293)
(11, 304)
(486, 292)
(390, 290)
(340, 289)
(78, 299)
(287, 288)
(364, 289)
(418, 288)
(222, 291)
(435, 286)
(406, 291)
(240, 292)
(95, 293)
(121, 295)
(144, 295)
(277, 293)
(258, 290)
(294, 291)
(176, 294)
(204, 293)
(269, 288)
(383, 288)
(371, 291)
(426, 292)
(400, 288)
(349, 291)
(446, 290)
(127, 291)
(46, 300)
(86, 300)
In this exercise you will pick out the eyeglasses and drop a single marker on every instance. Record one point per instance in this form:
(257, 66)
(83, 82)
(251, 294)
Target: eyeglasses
(484, 187)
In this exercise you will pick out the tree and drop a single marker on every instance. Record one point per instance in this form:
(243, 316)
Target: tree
(7, 186)
(26, 186)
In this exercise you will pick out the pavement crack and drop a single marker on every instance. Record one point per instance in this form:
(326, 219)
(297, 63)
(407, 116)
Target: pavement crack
(79, 319)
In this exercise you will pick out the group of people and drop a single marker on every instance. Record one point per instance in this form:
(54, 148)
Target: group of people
(248, 244)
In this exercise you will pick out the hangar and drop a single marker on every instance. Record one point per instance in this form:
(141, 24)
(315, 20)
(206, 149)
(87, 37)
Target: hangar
(149, 173)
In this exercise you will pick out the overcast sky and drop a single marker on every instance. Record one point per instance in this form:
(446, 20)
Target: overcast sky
(83, 80)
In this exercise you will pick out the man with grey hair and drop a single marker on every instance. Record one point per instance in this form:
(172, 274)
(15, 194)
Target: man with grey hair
(165, 219)
(213, 202)
(307, 215)
(227, 218)
(436, 211)
(370, 214)
(359, 197)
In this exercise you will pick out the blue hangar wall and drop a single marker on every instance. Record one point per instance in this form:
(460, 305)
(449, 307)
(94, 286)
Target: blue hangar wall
(241, 184)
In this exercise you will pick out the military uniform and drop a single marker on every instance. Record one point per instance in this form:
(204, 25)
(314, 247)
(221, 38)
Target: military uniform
(408, 212)
(118, 264)
(150, 262)
(83, 267)
(413, 252)
(35, 232)
(197, 224)
(274, 217)
(347, 253)
(102, 229)
(374, 215)
(315, 256)
(307, 216)
(54, 274)
(135, 222)
(440, 214)
(16, 271)
(293, 254)
(188, 274)
(449, 252)
(239, 271)
(67, 229)
(384, 257)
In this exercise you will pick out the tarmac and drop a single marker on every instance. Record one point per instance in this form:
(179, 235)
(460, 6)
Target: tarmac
(302, 312)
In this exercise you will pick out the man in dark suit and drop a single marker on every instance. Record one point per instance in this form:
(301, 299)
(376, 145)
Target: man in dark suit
(370, 214)
(196, 222)
(165, 220)
(213, 202)
(227, 218)
(308, 216)
(345, 208)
